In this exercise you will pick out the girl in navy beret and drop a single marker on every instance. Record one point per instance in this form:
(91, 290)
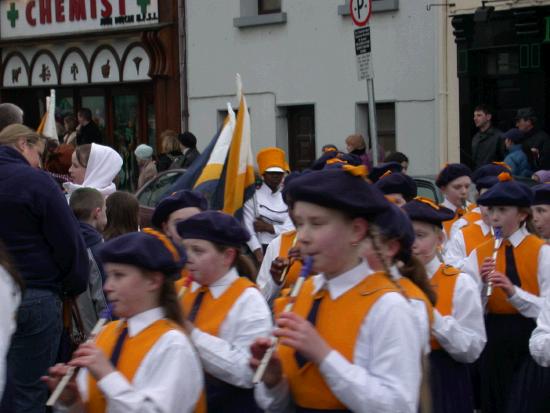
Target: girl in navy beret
(144, 362)
(541, 210)
(346, 346)
(458, 331)
(511, 381)
(225, 312)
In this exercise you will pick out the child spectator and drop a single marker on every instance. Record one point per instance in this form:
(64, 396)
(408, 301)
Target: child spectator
(122, 214)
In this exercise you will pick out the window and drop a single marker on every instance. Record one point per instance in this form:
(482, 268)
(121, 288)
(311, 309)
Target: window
(269, 6)
(385, 124)
(377, 6)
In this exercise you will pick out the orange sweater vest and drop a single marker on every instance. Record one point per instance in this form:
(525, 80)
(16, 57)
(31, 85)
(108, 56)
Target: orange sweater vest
(526, 257)
(133, 352)
(444, 282)
(338, 322)
(469, 216)
(473, 237)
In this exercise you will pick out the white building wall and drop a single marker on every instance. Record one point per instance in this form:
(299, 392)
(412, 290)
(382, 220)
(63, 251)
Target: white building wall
(310, 60)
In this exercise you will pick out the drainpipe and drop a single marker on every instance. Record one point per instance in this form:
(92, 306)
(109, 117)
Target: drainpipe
(442, 97)
(182, 35)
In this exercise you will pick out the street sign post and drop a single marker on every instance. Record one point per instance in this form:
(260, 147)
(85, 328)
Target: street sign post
(360, 11)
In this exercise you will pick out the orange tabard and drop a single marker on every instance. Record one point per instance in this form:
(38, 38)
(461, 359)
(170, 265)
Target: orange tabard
(526, 257)
(443, 282)
(178, 284)
(213, 311)
(413, 292)
(473, 237)
(287, 239)
(132, 354)
(469, 215)
(338, 322)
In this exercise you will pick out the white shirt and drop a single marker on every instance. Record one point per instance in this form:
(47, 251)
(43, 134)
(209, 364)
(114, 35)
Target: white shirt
(227, 355)
(455, 252)
(461, 334)
(265, 282)
(10, 298)
(386, 370)
(528, 305)
(168, 380)
(270, 206)
(461, 222)
(539, 345)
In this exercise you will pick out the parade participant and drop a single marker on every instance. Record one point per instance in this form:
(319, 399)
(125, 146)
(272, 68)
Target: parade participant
(335, 157)
(465, 238)
(454, 181)
(520, 281)
(224, 310)
(266, 214)
(94, 166)
(143, 362)
(541, 210)
(539, 344)
(147, 166)
(398, 188)
(378, 171)
(177, 207)
(347, 345)
(458, 331)
(401, 158)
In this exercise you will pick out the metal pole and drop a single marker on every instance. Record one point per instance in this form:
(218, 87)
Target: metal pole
(372, 121)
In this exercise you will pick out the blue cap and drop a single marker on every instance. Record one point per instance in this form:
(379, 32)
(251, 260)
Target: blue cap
(397, 183)
(542, 194)
(334, 158)
(514, 134)
(343, 189)
(177, 200)
(486, 182)
(148, 249)
(507, 192)
(214, 226)
(394, 223)
(490, 169)
(451, 172)
(380, 170)
(425, 210)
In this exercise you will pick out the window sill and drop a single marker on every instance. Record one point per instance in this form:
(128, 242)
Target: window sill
(259, 20)
(377, 6)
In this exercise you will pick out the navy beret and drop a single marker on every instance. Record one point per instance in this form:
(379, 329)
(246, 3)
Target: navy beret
(542, 194)
(380, 170)
(335, 158)
(486, 182)
(148, 249)
(514, 134)
(490, 169)
(342, 189)
(177, 200)
(394, 223)
(397, 183)
(288, 179)
(507, 192)
(425, 210)
(451, 172)
(214, 226)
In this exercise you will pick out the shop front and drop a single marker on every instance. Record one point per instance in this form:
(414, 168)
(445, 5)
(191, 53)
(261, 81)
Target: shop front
(119, 58)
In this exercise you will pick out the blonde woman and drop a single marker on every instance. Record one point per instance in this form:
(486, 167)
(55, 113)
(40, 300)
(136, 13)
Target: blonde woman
(170, 149)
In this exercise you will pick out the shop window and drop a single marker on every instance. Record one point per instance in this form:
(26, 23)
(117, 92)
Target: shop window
(377, 6)
(385, 124)
(97, 105)
(125, 132)
(502, 62)
(259, 13)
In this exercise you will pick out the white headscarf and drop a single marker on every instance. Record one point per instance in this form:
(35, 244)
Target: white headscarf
(103, 166)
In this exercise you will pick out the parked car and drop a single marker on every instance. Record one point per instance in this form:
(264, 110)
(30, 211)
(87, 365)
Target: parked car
(150, 194)
(428, 189)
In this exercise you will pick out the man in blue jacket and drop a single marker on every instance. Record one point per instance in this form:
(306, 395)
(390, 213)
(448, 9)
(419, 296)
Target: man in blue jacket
(43, 238)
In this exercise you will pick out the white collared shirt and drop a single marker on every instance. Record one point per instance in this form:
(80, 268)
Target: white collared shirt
(539, 345)
(265, 282)
(461, 222)
(168, 380)
(461, 334)
(10, 297)
(455, 251)
(528, 305)
(386, 370)
(227, 355)
(270, 206)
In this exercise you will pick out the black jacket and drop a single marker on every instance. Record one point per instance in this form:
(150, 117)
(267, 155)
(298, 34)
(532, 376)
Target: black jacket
(487, 147)
(89, 134)
(184, 161)
(39, 229)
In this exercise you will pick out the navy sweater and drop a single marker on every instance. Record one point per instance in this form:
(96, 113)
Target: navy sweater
(39, 229)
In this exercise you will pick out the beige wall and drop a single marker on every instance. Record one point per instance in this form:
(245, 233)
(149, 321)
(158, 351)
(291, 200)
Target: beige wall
(450, 135)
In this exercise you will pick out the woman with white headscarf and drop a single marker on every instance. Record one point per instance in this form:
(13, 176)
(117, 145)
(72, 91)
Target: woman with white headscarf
(94, 166)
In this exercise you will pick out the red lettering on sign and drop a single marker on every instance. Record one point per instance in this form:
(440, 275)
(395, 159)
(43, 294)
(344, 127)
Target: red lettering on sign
(77, 10)
(108, 9)
(59, 11)
(28, 12)
(93, 9)
(122, 7)
(45, 11)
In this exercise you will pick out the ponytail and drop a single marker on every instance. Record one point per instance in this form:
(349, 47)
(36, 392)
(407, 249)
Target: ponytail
(169, 302)
(415, 271)
(242, 263)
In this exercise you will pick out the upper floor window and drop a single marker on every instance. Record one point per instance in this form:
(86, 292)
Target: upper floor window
(269, 6)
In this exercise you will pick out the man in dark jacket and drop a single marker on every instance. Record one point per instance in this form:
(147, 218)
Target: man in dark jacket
(188, 145)
(87, 131)
(487, 146)
(535, 138)
(42, 236)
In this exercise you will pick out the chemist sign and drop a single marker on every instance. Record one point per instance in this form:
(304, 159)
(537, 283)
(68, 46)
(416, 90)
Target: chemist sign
(31, 18)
